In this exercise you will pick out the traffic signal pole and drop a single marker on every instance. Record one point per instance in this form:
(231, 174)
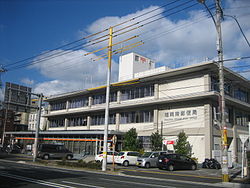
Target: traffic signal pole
(105, 140)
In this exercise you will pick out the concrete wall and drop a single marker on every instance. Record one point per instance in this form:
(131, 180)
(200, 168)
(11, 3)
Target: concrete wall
(128, 66)
(181, 87)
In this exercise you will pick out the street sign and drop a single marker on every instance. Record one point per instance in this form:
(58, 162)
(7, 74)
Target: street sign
(17, 97)
(168, 142)
(243, 137)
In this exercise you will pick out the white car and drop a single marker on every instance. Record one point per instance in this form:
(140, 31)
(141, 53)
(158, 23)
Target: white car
(99, 156)
(127, 158)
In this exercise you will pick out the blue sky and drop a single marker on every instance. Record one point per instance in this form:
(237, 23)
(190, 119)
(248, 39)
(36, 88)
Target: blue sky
(31, 27)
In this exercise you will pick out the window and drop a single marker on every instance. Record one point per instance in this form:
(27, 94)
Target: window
(100, 99)
(100, 119)
(77, 121)
(57, 122)
(133, 154)
(214, 84)
(58, 105)
(78, 102)
(241, 95)
(137, 117)
(138, 92)
(136, 58)
(242, 118)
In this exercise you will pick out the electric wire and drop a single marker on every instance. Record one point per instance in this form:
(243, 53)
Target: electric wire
(157, 19)
(67, 52)
(242, 32)
(166, 32)
(57, 48)
(91, 35)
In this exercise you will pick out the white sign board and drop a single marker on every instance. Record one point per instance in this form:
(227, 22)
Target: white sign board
(243, 137)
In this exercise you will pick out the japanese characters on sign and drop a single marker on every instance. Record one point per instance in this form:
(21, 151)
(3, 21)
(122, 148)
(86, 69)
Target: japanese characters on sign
(181, 115)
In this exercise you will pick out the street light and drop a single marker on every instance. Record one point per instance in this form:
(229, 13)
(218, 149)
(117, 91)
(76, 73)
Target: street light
(217, 23)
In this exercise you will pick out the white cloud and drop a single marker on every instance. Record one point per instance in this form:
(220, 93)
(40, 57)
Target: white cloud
(27, 81)
(72, 71)
(173, 43)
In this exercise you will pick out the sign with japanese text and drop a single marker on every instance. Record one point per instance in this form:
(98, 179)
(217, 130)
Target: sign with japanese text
(183, 117)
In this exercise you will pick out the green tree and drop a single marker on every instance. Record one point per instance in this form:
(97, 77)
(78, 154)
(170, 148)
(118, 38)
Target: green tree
(131, 142)
(182, 146)
(156, 141)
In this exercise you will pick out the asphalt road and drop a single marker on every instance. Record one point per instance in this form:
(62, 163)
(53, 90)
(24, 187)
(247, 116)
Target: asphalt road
(17, 174)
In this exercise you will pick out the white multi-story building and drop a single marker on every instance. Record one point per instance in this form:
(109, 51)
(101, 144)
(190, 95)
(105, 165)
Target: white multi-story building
(162, 99)
(33, 121)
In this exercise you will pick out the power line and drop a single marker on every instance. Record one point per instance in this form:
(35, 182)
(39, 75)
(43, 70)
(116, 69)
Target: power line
(154, 16)
(166, 32)
(67, 52)
(89, 36)
(242, 32)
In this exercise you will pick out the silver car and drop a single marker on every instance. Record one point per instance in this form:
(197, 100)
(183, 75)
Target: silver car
(47, 151)
(149, 159)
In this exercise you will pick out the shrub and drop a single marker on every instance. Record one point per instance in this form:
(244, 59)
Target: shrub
(81, 164)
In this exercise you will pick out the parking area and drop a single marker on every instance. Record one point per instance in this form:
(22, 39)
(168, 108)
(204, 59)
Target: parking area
(198, 172)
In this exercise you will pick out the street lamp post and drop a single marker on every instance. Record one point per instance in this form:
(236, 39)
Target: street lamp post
(225, 177)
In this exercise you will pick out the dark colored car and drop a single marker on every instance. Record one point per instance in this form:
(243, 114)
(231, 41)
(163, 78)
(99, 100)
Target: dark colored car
(47, 151)
(176, 162)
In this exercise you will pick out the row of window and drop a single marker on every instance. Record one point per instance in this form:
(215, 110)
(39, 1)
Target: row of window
(58, 106)
(138, 92)
(242, 119)
(78, 102)
(77, 121)
(100, 119)
(57, 123)
(100, 99)
(126, 117)
(235, 92)
(137, 117)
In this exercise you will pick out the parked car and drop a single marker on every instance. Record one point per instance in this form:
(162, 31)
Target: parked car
(99, 156)
(127, 158)
(176, 162)
(47, 151)
(149, 159)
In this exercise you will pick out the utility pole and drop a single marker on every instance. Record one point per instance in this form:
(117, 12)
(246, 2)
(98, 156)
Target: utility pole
(223, 126)
(225, 176)
(105, 140)
(162, 135)
(37, 126)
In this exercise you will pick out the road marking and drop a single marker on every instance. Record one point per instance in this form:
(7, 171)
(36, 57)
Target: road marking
(136, 183)
(86, 185)
(165, 173)
(36, 181)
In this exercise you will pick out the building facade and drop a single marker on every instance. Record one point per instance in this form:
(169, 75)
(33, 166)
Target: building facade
(166, 100)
